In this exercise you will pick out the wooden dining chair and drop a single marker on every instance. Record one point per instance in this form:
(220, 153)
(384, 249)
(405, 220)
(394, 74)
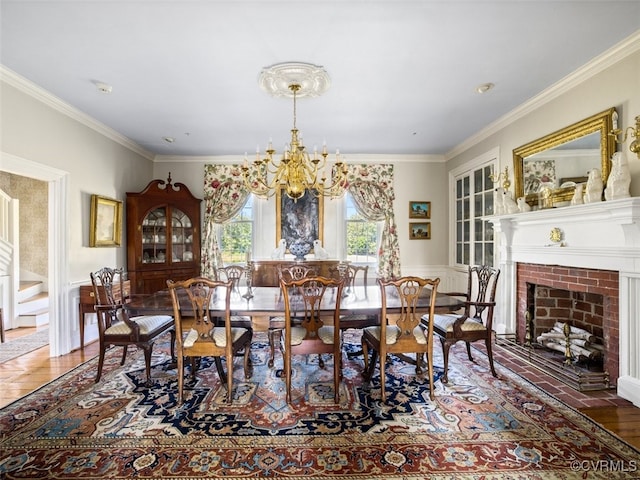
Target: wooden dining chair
(475, 322)
(406, 335)
(355, 275)
(116, 327)
(197, 333)
(288, 272)
(306, 330)
(234, 274)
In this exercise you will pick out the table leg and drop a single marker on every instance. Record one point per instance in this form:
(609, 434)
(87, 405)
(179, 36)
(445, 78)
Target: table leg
(81, 325)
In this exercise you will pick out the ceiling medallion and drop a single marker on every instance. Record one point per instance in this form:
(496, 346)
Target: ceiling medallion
(297, 172)
(276, 80)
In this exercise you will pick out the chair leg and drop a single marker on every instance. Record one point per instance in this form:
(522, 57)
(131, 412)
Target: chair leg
(337, 375)
(445, 354)
(147, 363)
(220, 369)
(490, 354)
(383, 390)
(287, 374)
(248, 365)
(469, 351)
(229, 378)
(272, 345)
(181, 379)
(124, 355)
(366, 371)
(173, 345)
(100, 362)
(432, 394)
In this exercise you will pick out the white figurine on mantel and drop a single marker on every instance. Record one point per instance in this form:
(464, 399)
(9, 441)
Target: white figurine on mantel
(594, 187)
(508, 203)
(619, 179)
(523, 206)
(319, 251)
(278, 253)
(577, 195)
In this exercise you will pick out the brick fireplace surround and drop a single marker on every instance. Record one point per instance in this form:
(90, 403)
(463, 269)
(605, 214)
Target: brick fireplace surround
(572, 279)
(599, 253)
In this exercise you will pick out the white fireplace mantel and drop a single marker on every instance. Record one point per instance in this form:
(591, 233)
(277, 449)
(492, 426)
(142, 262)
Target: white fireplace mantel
(602, 235)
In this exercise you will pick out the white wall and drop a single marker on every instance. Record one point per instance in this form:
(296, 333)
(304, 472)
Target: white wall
(416, 178)
(44, 138)
(617, 86)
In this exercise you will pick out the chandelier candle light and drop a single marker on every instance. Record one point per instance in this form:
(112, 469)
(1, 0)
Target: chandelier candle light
(296, 172)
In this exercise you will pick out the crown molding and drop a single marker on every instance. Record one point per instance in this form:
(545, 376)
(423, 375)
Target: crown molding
(29, 88)
(616, 53)
(351, 158)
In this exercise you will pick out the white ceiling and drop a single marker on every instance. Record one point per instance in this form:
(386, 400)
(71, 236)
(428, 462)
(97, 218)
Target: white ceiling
(403, 73)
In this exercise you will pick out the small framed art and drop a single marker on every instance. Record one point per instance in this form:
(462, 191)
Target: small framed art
(106, 222)
(420, 231)
(419, 209)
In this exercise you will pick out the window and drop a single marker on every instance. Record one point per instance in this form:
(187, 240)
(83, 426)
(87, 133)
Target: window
(362, 235)
(236, 236)
(474, 199)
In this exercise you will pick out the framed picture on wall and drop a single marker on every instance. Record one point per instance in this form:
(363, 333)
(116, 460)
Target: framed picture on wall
(301, 220)
(106, 222)
(419, 209)
(420, 230)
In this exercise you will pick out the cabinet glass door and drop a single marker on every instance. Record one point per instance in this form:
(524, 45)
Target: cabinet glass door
(154, 236)
(181, 237)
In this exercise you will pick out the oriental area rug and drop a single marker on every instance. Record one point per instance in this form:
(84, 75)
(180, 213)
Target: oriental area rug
(479, 427)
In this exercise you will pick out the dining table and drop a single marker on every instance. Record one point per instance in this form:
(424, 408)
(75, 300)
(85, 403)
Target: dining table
(260, 302)
(264, 304)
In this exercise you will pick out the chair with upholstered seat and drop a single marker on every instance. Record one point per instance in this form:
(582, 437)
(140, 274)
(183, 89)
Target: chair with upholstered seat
(355, 275)
(203, 337)
(288, 272)
(476, 321)
(306, 331)
(404, 336)
(116, 327)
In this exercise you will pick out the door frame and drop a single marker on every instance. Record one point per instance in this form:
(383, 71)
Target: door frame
(60, 315)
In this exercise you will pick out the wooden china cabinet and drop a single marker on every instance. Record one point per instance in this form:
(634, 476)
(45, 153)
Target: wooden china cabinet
(163, 235)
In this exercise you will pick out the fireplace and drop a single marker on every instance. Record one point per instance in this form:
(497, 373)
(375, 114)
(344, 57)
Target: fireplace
(598, 257)
(586, 298)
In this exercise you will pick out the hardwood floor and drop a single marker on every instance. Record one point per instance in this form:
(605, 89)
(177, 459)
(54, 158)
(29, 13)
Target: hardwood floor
(28, 372)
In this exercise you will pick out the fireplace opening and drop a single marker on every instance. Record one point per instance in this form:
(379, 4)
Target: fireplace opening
(567, 324)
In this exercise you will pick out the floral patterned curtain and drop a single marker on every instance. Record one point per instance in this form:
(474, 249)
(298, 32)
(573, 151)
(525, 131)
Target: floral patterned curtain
(224, 194)
(371, 187)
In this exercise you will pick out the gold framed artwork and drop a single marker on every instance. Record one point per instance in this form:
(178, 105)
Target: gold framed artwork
(106, 222)
(420, 231)
(301, 220)
(419, 209)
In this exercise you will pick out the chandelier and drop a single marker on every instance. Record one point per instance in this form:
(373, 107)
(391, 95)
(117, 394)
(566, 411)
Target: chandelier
(297, 172)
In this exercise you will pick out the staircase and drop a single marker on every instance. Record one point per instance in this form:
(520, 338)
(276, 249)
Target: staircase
(33, 305)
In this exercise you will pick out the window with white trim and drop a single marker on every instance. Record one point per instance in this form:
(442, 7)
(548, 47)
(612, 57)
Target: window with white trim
(473, 200)
(362, 235)
(236, 236)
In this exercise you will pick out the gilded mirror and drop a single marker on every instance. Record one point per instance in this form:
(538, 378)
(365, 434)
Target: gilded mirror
(563, 158)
